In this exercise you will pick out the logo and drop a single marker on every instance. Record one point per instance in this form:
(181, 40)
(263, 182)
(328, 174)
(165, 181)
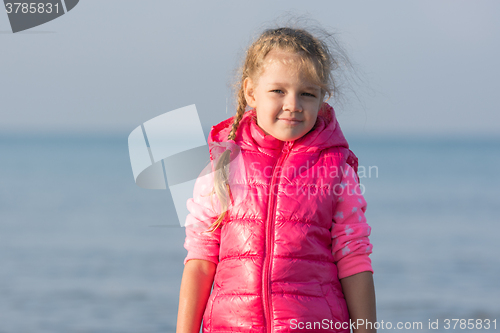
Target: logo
(26, 15)
(170, 151)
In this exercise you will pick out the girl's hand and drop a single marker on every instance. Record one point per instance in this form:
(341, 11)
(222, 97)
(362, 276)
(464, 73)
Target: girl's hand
(196, 284)
(359, 293)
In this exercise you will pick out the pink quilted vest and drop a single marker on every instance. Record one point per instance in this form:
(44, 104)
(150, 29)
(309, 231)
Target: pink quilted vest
(276, 267)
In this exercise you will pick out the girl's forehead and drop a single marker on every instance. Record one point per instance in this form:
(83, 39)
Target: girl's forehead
(282, 60)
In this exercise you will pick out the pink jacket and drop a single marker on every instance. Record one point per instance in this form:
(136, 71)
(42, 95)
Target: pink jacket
(300, 229)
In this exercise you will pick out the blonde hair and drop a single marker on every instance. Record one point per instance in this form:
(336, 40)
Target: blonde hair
(315, 59)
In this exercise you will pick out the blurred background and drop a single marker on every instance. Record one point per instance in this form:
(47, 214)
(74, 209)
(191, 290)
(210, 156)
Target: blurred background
(83, 249)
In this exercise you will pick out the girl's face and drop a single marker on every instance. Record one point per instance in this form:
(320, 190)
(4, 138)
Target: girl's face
(286, 102)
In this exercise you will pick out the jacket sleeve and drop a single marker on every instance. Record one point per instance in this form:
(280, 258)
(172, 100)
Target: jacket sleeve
(350, 243)
(200, 243)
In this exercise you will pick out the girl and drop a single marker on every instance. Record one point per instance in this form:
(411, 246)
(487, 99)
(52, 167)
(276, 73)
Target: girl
(293, 254)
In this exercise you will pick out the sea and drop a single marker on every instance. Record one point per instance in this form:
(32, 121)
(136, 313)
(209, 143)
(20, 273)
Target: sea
(84, 249)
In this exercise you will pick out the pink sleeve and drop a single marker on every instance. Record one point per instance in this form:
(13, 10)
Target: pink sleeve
(200, 243)
(350, 231)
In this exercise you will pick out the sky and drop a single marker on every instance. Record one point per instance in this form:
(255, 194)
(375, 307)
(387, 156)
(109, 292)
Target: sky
(422, 67)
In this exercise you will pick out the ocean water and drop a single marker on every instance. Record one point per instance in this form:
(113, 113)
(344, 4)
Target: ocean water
(83, 249)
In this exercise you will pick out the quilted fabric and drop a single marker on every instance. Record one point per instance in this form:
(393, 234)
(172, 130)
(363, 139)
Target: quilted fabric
(285, 245)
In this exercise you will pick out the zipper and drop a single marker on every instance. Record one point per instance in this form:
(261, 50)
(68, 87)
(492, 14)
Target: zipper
(271, 212)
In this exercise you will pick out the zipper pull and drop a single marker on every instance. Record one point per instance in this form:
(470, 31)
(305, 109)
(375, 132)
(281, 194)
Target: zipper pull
(287, 147)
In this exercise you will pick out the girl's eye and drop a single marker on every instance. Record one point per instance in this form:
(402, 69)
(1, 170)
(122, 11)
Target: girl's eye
(309, 94)
(277, 91)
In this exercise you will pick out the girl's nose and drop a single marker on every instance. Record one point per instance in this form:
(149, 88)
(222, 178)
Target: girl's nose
(292, 103)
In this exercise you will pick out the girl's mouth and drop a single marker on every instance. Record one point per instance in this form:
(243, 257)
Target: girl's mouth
(291, 121)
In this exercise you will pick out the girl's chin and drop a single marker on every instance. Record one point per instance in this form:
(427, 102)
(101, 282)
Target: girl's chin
(289, 136)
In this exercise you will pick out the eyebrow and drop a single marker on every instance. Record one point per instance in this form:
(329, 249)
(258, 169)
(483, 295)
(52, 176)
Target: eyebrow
(309, 86)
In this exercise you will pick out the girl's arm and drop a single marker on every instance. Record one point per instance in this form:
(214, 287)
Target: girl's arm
(359, 293)
(196, 284)
(351, 248)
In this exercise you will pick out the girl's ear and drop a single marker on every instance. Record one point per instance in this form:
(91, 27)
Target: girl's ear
(249, 89)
